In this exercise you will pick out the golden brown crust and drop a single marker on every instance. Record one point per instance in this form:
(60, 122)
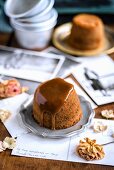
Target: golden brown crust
(87, 32)
(87, 21)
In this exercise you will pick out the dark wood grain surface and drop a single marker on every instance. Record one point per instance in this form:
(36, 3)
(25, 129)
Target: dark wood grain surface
(9, 162)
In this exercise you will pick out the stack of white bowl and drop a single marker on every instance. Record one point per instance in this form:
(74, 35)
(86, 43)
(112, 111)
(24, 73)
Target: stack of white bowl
(32, 20)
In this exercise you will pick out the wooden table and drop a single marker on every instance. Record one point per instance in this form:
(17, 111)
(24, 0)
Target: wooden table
(8, 162)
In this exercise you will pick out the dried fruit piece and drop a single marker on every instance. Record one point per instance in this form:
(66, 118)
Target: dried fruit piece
(107, 113)
(9, 143)
(89, 150)
(99, 127)
(4, 115)
(10, 88)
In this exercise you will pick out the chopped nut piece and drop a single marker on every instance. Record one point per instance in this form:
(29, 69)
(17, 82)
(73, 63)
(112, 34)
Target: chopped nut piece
(4, 115)
(1, 147)
(99, 127)
(107, 113)
(24, 89)
(89, 150)
(9, 143)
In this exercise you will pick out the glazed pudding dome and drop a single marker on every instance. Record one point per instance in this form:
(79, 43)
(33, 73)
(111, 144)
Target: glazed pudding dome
(56, 105)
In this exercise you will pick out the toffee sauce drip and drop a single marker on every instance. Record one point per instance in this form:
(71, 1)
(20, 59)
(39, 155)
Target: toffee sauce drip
(51, 97)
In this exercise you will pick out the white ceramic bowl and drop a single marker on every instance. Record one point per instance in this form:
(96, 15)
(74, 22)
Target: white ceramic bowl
(35, 39)
(37, 25)
(24, 8)
(40, 17)
(35, 36)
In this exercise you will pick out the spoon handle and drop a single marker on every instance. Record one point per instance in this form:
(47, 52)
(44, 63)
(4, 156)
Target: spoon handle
(107, 143)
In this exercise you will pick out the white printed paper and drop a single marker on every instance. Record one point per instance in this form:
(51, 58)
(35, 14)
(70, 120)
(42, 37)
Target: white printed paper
(77, 59)
(14, 124)
(80, 92)
(30, 65)
(97, 79)
(29, 145)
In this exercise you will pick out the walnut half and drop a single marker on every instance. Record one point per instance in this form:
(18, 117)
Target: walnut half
(4, 115)
(99, 127)
(108, 114)
(9, 143)
(89, 150)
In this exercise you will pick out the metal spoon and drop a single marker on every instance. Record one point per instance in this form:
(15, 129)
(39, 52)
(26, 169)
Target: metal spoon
(107, 143)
